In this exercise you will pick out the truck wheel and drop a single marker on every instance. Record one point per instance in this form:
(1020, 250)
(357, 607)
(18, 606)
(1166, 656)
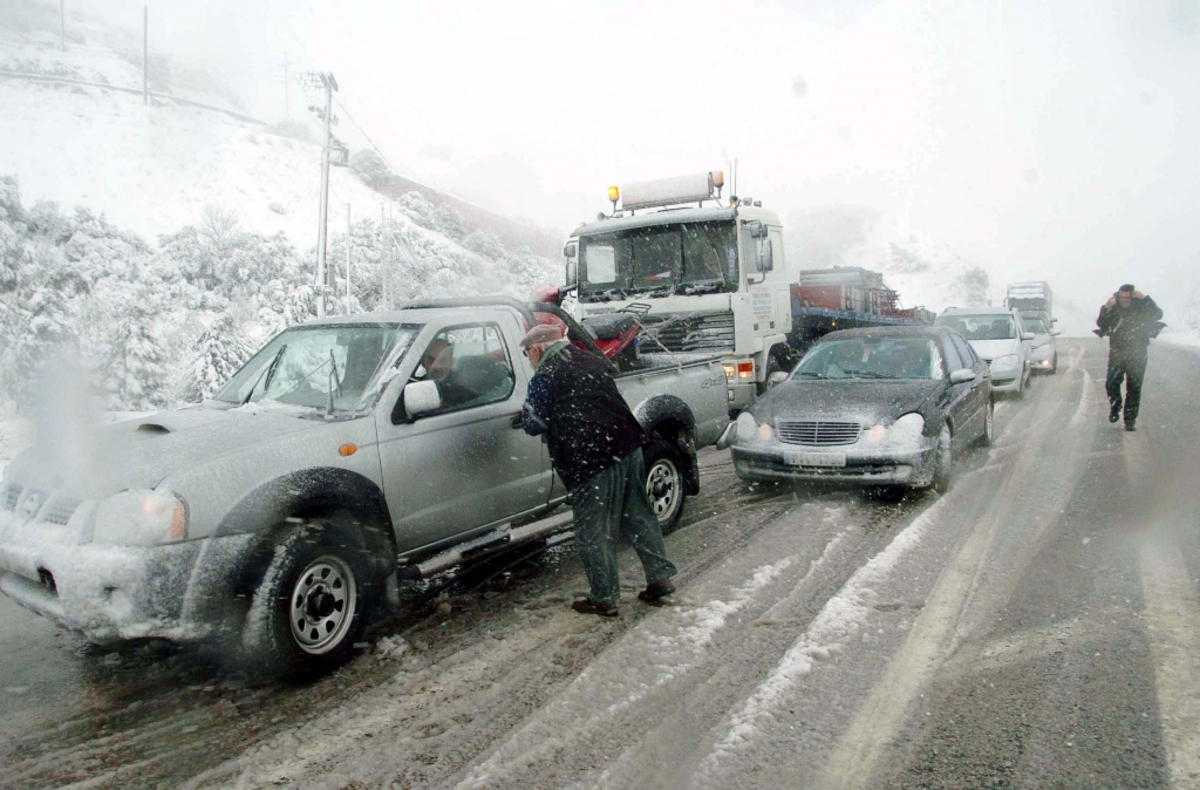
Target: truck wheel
(308, 610)
(664, 483)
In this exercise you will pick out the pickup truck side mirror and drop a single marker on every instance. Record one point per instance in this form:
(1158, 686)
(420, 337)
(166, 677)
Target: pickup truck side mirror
(421, 397)
(962, 376)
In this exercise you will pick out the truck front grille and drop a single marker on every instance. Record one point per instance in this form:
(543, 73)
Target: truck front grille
(684, 332)
(816, 433)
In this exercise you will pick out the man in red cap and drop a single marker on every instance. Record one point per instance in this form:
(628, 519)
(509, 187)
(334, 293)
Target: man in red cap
(595, 444)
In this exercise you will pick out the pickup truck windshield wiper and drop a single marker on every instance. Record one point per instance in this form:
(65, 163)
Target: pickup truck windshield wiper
(268, 371)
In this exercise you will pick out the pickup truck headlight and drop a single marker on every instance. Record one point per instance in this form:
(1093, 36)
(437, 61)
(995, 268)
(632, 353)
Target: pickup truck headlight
(906, 432)
(140, 517)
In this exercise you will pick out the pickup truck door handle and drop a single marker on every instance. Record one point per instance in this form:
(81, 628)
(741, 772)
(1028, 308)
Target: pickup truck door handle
(515, 422)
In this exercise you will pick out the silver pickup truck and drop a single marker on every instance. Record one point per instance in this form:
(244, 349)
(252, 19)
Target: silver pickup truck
(349, 454)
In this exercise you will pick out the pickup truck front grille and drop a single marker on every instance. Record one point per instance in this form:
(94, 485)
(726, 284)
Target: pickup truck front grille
(684, 332)
(11, 494)
(59, 511)
(816, 433)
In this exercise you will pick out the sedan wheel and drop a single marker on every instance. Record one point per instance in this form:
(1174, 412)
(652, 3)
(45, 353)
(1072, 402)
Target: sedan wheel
(989, 424)
(944, 470)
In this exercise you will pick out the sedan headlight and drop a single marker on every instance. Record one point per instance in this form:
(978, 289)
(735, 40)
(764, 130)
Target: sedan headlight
(906, 432)
(140, 517)
(748, 429)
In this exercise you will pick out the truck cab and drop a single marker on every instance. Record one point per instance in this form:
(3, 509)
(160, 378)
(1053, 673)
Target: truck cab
(700, 278)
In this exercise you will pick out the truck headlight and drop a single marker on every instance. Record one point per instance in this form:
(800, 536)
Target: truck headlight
(140, 517)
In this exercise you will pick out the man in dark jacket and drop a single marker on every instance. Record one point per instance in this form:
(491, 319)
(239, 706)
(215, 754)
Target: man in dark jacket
(595, 444)
(1129, 319)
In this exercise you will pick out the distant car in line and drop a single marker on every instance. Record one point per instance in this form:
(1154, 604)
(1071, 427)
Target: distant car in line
(998, 336)
(882, 406)
(1043, 353)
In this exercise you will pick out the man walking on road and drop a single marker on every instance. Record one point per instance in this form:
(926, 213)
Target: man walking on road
(595, 444)
(1129, 319)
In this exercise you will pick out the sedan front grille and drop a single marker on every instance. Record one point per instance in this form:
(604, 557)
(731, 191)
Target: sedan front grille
(816, 433)
(11, 495)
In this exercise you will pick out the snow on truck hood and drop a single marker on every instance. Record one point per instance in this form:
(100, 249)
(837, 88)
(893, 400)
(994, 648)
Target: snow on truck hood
(140, 453)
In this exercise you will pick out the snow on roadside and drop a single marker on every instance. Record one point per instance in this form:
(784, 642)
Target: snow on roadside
(838, 621)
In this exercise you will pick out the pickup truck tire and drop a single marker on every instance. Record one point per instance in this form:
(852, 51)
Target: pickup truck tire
(308, 610)
(664, 483)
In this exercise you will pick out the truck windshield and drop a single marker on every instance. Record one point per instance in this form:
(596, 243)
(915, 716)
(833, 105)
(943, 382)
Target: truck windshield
(301, 366)
(659, 261)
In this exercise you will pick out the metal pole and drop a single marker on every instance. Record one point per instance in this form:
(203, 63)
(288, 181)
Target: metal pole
(62, 14)
(145, 54)
(322, 275)
(385, 248)
(349, 229)
(287, 93)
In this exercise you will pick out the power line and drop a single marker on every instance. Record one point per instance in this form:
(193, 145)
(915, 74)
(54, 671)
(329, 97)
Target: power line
(363, 131)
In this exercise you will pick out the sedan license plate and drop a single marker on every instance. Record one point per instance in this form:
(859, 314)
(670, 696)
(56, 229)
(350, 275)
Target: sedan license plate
(824, 460)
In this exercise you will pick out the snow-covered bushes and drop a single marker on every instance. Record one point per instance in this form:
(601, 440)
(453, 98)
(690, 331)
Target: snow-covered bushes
(167, 325)
(371, 168)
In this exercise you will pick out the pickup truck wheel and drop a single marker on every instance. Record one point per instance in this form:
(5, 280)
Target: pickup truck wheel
(664, 483)
(308, 609)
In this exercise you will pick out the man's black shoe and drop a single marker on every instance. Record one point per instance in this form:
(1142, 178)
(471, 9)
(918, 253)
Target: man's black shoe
(1114, 412)
(588, 606)
(1130, 425)
(656, 591)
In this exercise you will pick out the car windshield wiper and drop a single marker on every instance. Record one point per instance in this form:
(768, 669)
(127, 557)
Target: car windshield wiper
(268, 371)
(810, 373)
(869, 374)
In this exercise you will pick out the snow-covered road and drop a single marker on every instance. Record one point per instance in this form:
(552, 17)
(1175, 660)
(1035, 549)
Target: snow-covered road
(1035, 626)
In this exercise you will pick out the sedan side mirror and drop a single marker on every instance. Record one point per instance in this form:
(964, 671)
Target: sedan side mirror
(1055, 332)
(421, 397)
(1027, 335)
(962, 376)
(778, 377)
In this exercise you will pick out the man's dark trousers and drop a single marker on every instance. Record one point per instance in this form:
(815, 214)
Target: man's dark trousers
(612, 504)
(1126, 365)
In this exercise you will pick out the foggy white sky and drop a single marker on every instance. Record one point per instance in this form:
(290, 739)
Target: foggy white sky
(1054, 140)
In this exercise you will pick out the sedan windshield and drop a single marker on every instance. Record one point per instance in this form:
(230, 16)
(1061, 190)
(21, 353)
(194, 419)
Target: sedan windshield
(980, 327)
(872, 358)
(302, 366)
(1037, 326)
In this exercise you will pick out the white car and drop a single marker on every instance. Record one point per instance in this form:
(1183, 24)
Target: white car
(1043, 356)
(999, 337)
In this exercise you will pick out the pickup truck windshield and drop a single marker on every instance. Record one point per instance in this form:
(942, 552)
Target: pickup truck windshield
(659, 261)
(300, 367)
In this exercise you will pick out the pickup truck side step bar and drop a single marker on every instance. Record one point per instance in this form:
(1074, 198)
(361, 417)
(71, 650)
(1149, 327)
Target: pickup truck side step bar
(504, 537)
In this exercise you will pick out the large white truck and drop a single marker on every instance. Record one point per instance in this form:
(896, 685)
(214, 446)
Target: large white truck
(1034, 299)
(700, 273)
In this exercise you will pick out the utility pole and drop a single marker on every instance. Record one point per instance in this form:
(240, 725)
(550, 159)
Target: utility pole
(62, 18)
(385, 248)
(287, 90)
(145, 54)
(329, 84)
(349, 229)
